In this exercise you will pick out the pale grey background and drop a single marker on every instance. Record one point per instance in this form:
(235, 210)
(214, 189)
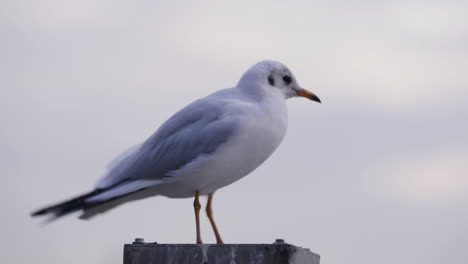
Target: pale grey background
(376, 174)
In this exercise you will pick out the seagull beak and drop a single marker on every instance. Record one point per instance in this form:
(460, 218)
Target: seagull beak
(307, 94)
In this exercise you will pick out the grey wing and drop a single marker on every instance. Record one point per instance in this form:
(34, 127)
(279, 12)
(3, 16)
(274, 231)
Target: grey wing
(198, 129)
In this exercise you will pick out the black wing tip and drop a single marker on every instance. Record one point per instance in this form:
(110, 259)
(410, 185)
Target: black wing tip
(38, 213)
(43, 212)
(66, 207)
(75, 204)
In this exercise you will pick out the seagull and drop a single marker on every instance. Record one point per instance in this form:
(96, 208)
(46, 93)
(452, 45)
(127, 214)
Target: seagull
(207, 145)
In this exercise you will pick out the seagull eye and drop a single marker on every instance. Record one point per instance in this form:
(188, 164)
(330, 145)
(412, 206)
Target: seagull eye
(271, 80)
(287, 79)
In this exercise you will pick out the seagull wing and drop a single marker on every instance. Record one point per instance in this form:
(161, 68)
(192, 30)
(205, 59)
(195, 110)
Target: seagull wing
(196, 130)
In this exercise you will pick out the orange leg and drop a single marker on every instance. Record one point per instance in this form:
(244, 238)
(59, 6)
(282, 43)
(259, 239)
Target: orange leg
(197, 207)
(209, 213)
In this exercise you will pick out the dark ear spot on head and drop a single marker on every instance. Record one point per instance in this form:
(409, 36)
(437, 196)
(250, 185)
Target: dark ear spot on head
(271, 80)
(287, 79)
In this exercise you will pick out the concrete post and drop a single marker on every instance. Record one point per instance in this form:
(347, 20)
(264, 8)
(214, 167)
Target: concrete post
(277, 253)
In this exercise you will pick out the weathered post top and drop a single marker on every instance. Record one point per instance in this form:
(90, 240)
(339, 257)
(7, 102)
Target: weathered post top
(279, 252)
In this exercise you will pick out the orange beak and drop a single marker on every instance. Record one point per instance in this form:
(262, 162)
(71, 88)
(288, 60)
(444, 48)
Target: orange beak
(307, 94)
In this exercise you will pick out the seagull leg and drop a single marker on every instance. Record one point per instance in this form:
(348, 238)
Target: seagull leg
(209, 213)
(197, 207)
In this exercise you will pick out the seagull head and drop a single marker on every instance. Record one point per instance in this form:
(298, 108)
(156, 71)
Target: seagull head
(272, 76)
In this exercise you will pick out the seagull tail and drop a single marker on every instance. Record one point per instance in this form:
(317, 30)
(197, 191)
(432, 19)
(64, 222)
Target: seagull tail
(67, 207)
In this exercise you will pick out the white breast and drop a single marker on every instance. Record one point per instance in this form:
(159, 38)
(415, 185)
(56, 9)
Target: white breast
(260, 133)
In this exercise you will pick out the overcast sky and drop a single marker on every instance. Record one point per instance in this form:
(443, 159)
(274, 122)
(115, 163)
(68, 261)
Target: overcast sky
(378, 173)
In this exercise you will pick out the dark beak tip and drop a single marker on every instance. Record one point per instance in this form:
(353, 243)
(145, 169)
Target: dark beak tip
(316, 99)
(311, 96)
